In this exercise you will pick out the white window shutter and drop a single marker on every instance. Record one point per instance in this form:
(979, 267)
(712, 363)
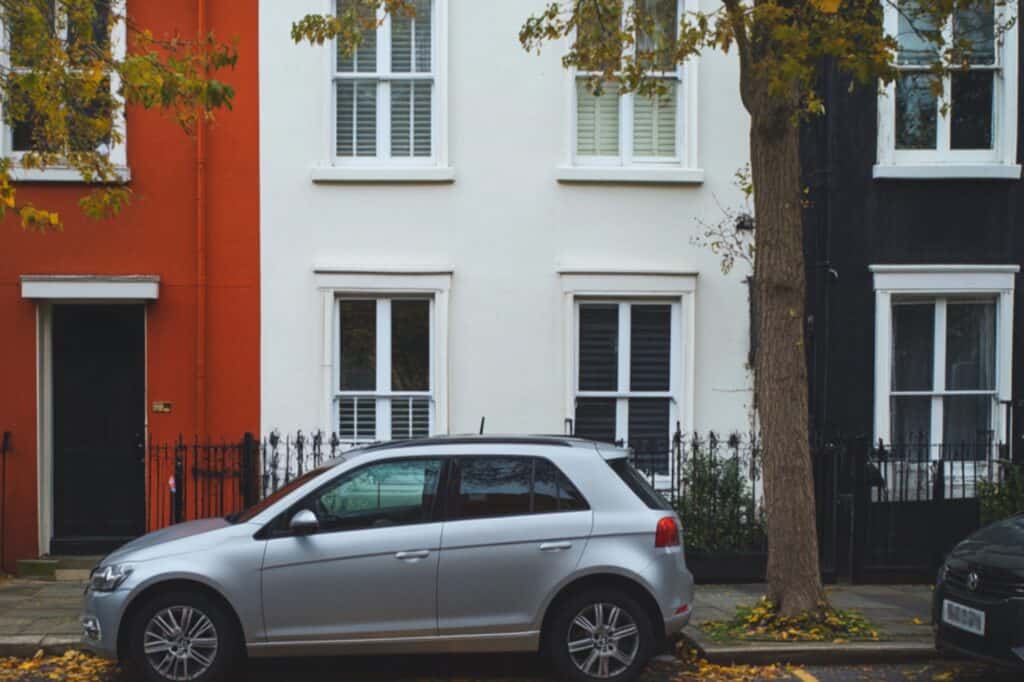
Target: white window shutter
(356, 118)
(654, 123)
(597, 120)
(411, 40)
(364, 60)
(411, 105)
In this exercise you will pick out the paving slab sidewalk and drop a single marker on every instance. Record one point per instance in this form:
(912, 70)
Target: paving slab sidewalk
(900, 613)
(44, 615)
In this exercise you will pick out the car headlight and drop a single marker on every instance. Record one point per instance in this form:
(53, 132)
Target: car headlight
(109, 578)
(943, 574)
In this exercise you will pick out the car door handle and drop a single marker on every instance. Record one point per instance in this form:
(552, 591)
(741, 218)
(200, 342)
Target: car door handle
(416, 554)
(555, 546)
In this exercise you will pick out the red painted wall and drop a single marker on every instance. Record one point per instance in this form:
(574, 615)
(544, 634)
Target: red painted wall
(156, 235)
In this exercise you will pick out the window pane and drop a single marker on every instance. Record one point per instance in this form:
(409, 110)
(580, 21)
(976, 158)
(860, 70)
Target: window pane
(357, 418)
(658, 24)
(410, 345)
(967, 421)
(971, 110)
(911, 426)
(94, 29)
(649, 433)
(43, 19)
(976, 26)
(654, 123)
(411, 104)
(356, 118)
(493, 486)
(411, 39)
(916, 35)
(381, 495)
(552, 491)
(650, 347)
(916, 111)
(364, 60)
(913, 346)
(595, 419)
(970, 346)
(597, 120)
(410, 418)
(358, 320)
(599, 347)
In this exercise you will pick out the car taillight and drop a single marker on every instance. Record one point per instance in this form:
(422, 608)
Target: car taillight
(667, 533)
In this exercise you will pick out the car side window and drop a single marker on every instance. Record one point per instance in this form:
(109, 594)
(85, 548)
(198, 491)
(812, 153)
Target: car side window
(392, 493)
(487, 487)
(553, 491)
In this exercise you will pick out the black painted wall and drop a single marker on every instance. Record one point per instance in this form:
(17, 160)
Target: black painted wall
(853, 221)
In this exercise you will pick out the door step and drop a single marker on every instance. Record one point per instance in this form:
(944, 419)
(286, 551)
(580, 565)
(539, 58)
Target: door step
(57, 568)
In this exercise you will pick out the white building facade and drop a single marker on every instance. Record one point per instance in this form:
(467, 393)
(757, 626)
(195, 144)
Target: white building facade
(454, 229)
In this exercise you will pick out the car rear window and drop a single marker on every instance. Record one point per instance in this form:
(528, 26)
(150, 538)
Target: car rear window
(638, 484)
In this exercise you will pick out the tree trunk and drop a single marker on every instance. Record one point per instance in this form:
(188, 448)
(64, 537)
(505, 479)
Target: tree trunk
(794, 578)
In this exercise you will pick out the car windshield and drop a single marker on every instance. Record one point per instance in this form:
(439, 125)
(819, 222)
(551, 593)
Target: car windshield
(251, 512)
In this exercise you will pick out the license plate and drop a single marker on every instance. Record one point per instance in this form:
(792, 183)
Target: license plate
(963, 617)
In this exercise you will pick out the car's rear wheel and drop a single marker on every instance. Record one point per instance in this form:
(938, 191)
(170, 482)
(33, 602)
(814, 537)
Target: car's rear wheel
(181, 636)
(600, 635)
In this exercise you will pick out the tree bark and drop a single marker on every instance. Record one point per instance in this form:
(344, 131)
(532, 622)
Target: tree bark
(780, 381)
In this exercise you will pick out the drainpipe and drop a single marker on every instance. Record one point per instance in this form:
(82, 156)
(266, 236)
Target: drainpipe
(200, 420)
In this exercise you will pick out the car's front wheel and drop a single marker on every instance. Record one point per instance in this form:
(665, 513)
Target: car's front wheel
(600, 635)
(183, 636)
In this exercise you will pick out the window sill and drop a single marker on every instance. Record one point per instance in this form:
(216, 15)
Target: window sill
(950, 171)
(66, 175)
(385, 174)
(664, 176)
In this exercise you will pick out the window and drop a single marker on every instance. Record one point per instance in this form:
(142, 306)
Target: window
(639, 485)
(385, 375)
(943, 356)
(626, 354)
(631, 129)
(393, 493)
(973, 121)
(25, 135)
(386, 95)
(512, 486)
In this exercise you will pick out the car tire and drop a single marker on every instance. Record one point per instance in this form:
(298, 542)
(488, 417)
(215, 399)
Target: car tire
(206, 649)
(600, 635)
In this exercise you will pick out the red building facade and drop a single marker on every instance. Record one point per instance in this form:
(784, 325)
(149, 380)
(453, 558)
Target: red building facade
(136, 329)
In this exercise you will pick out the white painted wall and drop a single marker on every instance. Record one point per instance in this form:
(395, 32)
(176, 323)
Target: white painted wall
(505, 226)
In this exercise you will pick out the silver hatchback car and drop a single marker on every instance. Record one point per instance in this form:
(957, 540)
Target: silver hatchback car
(460, 544)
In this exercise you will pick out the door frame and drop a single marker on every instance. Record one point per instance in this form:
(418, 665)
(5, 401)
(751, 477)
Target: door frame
(44, 394)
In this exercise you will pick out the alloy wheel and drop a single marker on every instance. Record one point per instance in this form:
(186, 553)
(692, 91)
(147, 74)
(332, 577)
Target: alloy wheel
(180, 643)
(603, 640)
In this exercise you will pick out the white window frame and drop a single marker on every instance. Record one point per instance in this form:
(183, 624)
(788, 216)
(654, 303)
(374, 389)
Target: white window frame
(939, 284)
(118, 152)
(335, 284)
(683, 168)
(403, 168)
(608, 285)
(1000, 162)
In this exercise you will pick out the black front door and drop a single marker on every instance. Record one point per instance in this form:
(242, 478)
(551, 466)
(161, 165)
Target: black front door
(98, 426)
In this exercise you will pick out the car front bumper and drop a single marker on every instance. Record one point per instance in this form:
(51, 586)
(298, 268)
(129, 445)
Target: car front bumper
(1003, 641)
(101, 619)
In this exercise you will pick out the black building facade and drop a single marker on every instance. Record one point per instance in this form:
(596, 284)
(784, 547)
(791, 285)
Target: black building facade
(914, 239)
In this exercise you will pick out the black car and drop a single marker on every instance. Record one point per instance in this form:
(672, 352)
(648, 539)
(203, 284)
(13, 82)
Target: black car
(978, 606)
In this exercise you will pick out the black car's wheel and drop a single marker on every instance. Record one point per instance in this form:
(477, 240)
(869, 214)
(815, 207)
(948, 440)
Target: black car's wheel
(600, 635)
(181, 636)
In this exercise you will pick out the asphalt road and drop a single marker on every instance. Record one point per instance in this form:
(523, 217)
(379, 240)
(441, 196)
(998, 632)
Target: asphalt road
(520, 668)
(507, 668)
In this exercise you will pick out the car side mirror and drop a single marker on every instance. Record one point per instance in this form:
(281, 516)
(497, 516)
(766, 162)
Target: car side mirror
(304, 522)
